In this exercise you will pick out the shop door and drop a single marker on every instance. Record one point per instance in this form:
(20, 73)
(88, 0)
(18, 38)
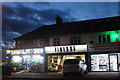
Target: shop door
(113, 62)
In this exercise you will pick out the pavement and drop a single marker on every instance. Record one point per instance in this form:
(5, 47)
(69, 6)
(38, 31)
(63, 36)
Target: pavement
(25, 75)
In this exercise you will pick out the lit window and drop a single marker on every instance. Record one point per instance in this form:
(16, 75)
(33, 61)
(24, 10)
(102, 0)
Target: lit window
(75, 40)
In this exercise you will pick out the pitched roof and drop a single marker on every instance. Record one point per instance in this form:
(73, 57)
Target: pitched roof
(94, 25)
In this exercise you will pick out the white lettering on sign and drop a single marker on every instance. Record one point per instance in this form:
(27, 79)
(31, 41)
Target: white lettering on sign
(64, 49)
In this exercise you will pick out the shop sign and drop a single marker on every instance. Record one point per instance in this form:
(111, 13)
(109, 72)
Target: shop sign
(8, 51)
(115, 46)
(25, 51)
(37, 50)
(65, 49)
(19, 51)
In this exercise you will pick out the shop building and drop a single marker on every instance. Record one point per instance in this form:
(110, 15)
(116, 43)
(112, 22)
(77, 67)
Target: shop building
(66, 40)
(56, 55)
(31, 59)
(104, 57)
(106, 38)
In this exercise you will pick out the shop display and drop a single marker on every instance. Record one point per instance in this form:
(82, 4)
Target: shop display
(37, 59)
(99, 62)
(113, 63)
(16, 59)
(26, 59)
(55, 62)
(104, 62)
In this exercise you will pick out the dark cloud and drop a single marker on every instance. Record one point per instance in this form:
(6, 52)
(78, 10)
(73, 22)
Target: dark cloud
(50, 15)
(7, 11)
(21, 19)
(40, 3)
(27, 19)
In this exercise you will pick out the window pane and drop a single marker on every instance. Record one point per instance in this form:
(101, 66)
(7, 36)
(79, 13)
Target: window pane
(99, 38)
(56, 41)
(104, 39)
(71, 41)
(78, 41)
(108, 38)
(75, 40)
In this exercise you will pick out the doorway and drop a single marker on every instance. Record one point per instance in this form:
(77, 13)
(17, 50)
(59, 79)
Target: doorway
(113, 60)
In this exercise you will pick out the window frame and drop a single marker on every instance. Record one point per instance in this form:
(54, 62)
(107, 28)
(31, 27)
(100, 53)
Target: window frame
(74, 40)
(56, 41)
(104, 38)
(38, 42)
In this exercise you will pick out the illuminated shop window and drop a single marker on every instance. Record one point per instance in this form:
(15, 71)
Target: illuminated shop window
(56, 41)
(26, 59)
(99, 62)
(38, 42)
(55, 61)
(113, 63)
(75, 40)
(104, 62)
(37, 59)
(16, 59)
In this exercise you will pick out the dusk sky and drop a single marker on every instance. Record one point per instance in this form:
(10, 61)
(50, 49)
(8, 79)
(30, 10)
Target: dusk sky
(19, 18)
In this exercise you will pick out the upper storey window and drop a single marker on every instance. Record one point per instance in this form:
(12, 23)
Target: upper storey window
(20, 44)
(104, 38)
(38, 42)
(56, 41)
(75, 40)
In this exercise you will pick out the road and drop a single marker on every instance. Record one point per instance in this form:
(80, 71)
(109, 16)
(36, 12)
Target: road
(59, 76)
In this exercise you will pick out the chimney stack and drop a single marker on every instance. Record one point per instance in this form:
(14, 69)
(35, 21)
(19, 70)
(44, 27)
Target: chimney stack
(58, 20)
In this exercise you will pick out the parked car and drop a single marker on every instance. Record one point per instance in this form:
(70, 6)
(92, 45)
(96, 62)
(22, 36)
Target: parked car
(74, 66)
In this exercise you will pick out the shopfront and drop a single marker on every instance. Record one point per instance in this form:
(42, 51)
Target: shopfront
(27, 59)
(56, 55)
(105, 57)
(104, 62)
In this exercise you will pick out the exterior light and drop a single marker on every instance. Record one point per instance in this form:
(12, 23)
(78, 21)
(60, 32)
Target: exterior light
(6, 57)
